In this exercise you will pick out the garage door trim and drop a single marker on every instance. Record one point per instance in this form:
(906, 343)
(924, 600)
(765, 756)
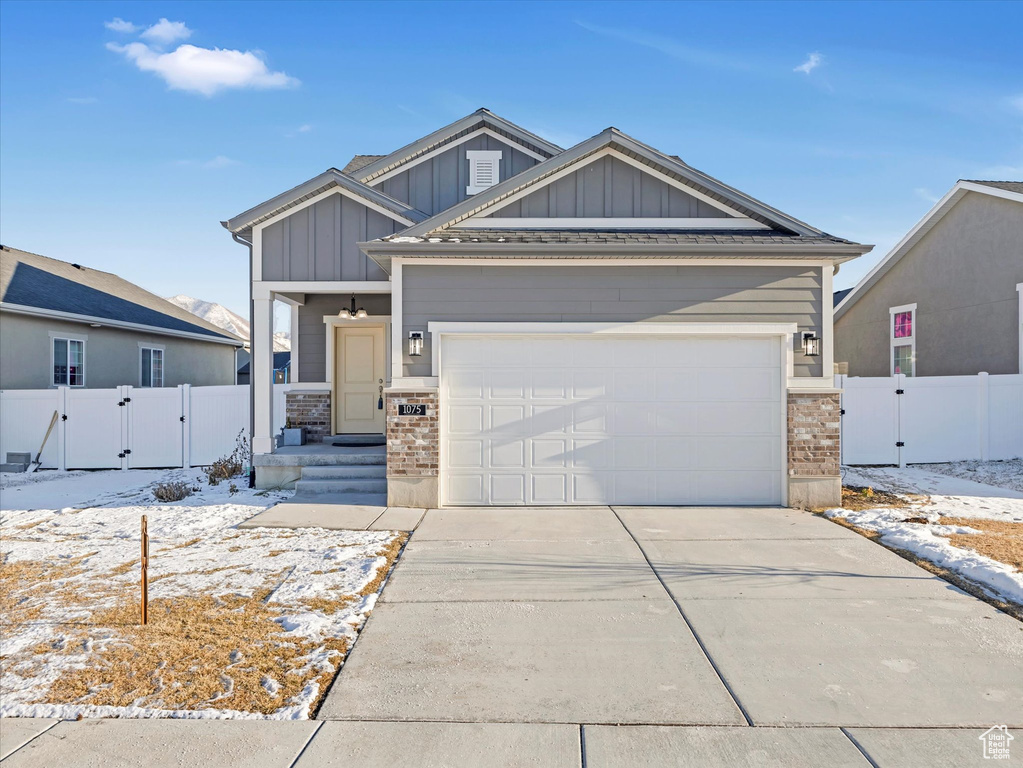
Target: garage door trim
(785, 331)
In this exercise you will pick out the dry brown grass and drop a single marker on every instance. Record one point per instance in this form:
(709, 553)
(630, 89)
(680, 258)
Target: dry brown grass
(1000, 540)
(970, 587)
(182, 545)
(391, 552)
(856, 497)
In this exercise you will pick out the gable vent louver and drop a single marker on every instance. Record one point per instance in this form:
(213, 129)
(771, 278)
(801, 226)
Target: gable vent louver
(484, 169)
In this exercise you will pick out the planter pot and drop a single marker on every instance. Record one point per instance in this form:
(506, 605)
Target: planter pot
(294, 436)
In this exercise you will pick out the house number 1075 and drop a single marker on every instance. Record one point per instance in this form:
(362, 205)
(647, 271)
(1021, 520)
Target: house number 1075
(406, 409)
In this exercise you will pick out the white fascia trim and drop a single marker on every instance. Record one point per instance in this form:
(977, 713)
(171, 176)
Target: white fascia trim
(921, 228)
(554, 261)
(335, 190)
(402, 167)
(108, 323)
(609, 223)
(264, 289)
(590, 159)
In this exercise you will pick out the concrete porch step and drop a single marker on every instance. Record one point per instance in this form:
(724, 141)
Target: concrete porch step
(341, 485)
(357, 440)
(342, 472)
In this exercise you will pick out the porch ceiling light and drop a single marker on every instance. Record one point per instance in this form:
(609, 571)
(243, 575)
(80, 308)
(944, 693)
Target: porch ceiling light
(811, 344)
(352, 312)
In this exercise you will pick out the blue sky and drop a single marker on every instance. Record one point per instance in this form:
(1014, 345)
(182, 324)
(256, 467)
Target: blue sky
(122, 150)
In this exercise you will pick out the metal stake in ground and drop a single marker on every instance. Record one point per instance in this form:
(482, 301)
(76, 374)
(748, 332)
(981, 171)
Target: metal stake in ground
(145, 570)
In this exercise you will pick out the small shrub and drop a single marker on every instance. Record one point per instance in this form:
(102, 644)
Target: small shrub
(232, 489)
(231, 465)
(173, 491)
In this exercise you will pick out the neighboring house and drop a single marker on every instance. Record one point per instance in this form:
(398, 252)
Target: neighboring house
(65, 324)
(281, 369)
(948, 299)
(535, 325)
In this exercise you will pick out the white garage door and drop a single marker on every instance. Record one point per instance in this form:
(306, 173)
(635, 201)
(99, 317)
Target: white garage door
(611, 420)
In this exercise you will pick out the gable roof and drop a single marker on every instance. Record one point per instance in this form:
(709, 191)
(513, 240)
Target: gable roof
(326, 181)
(480, 118)
(613, 138)
(1007, 190)
(39, 285)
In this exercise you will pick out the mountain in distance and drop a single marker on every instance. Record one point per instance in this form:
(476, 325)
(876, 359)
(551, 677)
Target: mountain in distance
(222, 317)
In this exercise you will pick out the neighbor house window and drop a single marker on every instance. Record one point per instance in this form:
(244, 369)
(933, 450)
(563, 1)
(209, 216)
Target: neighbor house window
(152, 367)
(903, 335)
(484, 169)
(68, 362)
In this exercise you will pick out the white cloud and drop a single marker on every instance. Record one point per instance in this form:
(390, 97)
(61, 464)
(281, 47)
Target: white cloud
(925, 194)
(166, 32)
(305, 128)
(813, 61)
(117, 24)
(220, 161)
(204, 70)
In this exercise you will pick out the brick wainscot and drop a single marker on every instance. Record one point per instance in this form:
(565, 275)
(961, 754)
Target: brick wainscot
(413, 450)
(310, 409)
(814, 430)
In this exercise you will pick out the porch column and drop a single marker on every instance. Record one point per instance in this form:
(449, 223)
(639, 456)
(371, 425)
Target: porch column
(261, 369)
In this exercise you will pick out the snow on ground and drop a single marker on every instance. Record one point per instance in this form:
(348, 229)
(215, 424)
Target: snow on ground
(1004, 474)
(939, 496)
(81, 532)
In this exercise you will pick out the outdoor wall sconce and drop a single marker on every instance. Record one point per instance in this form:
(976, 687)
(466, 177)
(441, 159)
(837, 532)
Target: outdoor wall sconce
(415, 343)
(353, 313)
(811, 344)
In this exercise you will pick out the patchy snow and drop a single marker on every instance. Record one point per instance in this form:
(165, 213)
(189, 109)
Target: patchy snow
(91, 520)
(936, 496)
(405, 239)
(1004, 474)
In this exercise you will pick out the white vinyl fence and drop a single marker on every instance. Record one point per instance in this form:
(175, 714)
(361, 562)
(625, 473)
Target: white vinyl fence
(900, 420)
(128, 427)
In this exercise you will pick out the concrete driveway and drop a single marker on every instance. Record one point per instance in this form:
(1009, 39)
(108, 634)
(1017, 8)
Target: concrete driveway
(625, 636)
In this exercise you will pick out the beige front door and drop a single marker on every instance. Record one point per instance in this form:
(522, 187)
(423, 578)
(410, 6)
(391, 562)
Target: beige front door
(358, 379)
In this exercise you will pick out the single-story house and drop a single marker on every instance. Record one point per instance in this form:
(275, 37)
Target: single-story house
(527, 324)
(948, 299)
(65, 324)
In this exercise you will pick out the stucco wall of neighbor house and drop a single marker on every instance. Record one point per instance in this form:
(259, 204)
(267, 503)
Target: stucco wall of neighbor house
(438, 183)
(670, 293)
(962, 276)
(312, 331)
(319, 242)
(112, 355)
(609, 187)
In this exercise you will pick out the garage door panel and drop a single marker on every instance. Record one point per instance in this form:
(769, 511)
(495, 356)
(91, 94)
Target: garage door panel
(612, 420)
(590, 454)
(746, 451)
(550, 489)
(737, 418)
(508, 489)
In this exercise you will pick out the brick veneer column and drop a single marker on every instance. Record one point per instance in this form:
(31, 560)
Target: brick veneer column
(310, 409)
(413, 451)
(814, 429)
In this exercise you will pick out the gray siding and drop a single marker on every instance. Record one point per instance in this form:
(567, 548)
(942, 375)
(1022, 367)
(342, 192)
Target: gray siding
(320, 242)
(111, 355)
(595, 294)
(609, 187)
(312, 332)
(962, 276)
(438, 183)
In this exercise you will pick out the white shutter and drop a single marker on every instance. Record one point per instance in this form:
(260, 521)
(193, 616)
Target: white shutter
(484, 169)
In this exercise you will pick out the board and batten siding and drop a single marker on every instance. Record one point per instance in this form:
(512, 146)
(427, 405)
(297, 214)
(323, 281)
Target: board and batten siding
(312, 331)
(437, 184)
(670, 293)
(608, 187)
(320, 242)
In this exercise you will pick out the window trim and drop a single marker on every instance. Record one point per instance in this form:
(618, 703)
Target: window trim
(904, 341)
(475, 156)
(163, 364)
(68, 338)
